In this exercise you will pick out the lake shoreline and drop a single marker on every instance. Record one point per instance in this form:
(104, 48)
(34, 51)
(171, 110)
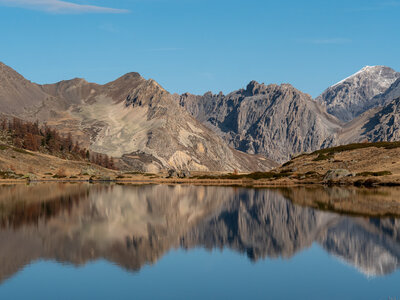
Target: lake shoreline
(357, 181)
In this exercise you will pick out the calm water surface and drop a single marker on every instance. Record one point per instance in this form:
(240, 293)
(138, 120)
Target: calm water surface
(81, 241)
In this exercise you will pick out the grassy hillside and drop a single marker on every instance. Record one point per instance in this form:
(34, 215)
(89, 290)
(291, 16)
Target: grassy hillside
(17, 163)
(367, 163)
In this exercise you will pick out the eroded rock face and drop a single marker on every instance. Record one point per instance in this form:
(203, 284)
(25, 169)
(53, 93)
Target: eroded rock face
(354, 95)
(382, 99)
(378, 124)
(279, 121)
(130, 118)
(275, 121)
(384, 125)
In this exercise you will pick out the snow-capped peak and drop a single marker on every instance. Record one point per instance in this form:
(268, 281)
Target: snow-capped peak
(366, 70)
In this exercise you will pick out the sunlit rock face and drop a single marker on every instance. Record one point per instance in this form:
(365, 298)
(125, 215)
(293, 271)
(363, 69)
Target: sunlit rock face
(136, 225)
(130, 118)
(354, 95)
(274, 120)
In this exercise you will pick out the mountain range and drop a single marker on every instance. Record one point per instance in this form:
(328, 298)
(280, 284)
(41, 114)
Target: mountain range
(272, 120)
(279, 121)
(251, 129)
(130, 118)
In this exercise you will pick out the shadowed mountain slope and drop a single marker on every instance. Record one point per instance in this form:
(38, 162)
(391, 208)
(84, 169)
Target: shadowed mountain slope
(377, 124)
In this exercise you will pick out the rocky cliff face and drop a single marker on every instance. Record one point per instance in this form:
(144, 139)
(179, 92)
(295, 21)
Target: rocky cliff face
(377, 124)
(387, 96)
(354, 95)
(280, 121)
(276, 121)
(370, 100)
(137, 120)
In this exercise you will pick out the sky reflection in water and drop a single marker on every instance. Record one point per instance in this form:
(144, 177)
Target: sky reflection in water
(164, 242)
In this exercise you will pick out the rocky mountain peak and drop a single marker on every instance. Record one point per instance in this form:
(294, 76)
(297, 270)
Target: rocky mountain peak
(259, 89)
(147, 93)
(78, 81)
(254, 88)
(351, 96)
(17, 94)
(122, 86)
(9, 74)
(273, 120)
(129, 76)
(75, 82)
(383, 74)
(126, 80)
(289, 90)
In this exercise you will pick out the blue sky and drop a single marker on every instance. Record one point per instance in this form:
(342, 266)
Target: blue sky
(199, 45)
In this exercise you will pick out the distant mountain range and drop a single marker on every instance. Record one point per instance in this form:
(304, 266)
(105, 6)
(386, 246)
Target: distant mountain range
(250, 129)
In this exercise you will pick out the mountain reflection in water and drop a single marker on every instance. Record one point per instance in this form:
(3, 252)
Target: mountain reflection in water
(132, 226)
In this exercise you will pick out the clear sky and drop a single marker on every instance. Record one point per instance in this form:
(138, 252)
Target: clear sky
(200, 45)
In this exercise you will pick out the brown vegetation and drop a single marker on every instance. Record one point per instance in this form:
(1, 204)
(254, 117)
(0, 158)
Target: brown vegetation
(368, 164)
(32, 136)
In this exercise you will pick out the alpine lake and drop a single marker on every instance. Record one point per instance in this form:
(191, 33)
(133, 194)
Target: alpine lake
(110, 241)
